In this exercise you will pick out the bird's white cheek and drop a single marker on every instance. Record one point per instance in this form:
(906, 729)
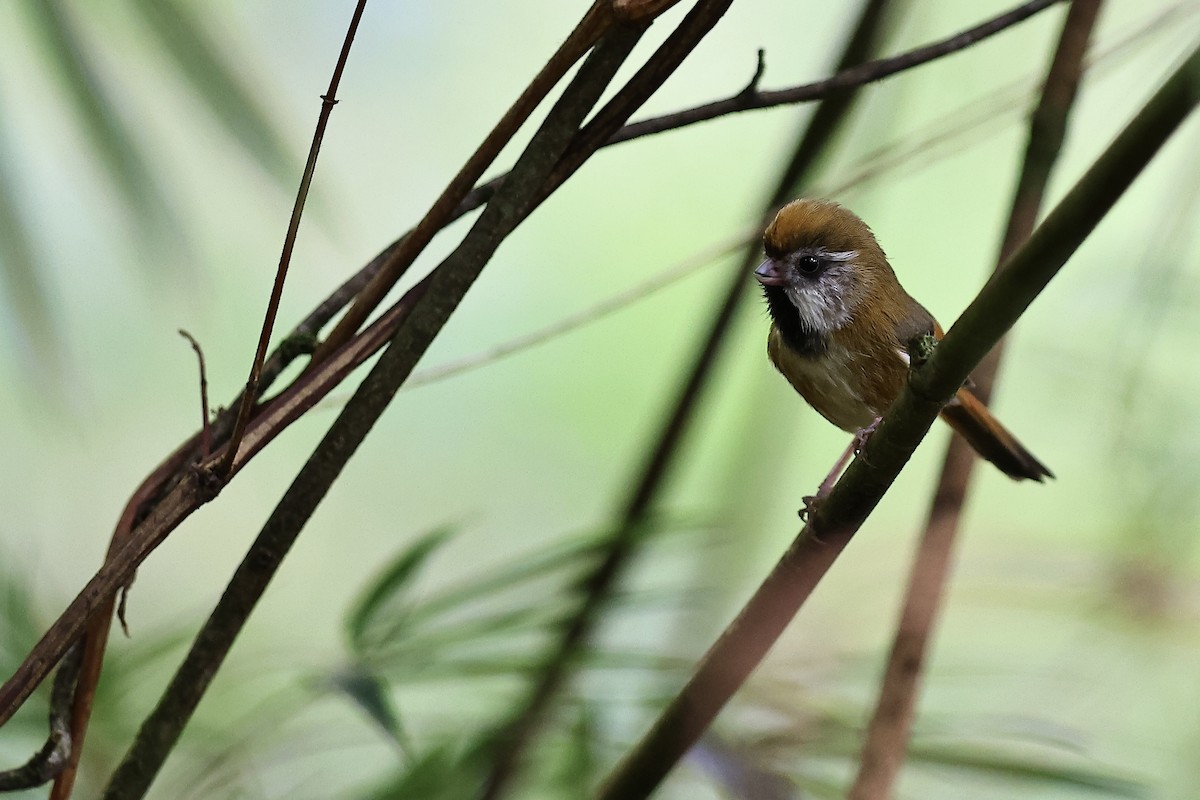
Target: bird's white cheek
(820, 309)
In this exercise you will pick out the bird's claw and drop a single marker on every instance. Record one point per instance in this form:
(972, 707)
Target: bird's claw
(863, 434)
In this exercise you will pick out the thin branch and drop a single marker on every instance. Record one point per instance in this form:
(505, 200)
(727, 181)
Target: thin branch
(328, 101)
(748, 638)
(845, 79)
(685, 268)
(598, 20)
(205, 433)
(890, 727)
(432, 307)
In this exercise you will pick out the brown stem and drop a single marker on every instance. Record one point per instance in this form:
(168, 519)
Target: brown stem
(855, 76)
(328, 101)
(598, 19)
(890, 727)
(746, 641)
(205, 433)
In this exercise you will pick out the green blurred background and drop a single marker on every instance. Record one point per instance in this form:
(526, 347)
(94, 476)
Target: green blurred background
(1068, 662)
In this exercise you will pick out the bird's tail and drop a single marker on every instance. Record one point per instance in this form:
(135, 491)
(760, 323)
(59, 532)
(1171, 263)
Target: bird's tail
(991, 440)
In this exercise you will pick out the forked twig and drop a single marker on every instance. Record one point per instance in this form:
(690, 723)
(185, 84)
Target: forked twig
(205, 432)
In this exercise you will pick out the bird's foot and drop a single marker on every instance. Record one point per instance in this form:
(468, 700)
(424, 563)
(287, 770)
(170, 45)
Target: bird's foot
(862, 435)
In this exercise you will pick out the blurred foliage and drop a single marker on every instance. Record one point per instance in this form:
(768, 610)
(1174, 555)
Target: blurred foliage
(65, 39)
(439, 645)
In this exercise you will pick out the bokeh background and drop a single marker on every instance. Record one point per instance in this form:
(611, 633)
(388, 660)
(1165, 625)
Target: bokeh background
(1066, 664)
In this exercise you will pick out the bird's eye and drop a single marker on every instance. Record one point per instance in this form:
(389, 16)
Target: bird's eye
(808, 265)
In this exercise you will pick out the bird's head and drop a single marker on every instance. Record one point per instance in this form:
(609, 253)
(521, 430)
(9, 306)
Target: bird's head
(824, 260)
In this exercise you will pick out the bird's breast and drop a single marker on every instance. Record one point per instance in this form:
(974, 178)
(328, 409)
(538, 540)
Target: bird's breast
(849, 388)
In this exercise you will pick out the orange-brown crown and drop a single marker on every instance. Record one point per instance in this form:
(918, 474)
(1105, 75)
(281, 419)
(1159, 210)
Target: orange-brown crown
(815, 223)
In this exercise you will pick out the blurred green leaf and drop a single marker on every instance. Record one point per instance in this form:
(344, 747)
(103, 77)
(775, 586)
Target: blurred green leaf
(387, 595)
(571, 554)
(440, 774)
(18, 618)
(24, 290)
(579, 765)
(501, 624)
(208, 74)
(94, 105)
(1028, 764)
(372, 694)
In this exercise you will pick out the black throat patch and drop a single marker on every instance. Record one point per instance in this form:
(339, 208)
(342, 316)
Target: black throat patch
(798, 336)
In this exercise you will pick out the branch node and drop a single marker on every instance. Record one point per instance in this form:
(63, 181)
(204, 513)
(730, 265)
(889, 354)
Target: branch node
(920, 349)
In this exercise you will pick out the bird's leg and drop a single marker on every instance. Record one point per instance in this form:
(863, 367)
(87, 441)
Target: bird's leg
(856, 445)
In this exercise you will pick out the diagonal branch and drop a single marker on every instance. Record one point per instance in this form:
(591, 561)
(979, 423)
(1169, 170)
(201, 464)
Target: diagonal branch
(746, 641)
(598, 19)
(328, 101)
(646, 483)
(891, 724)
(431, 308)
(845, 79)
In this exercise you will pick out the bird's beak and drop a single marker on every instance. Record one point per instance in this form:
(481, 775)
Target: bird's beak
(769, 273)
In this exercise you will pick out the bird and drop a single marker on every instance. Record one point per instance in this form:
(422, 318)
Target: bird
(840, 327)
